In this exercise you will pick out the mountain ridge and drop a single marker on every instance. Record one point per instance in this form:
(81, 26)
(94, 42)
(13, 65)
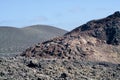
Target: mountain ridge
(14, 39)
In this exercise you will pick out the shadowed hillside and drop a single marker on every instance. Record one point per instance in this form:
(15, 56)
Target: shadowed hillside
(17, 39)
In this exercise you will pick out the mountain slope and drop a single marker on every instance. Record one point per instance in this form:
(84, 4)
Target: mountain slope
(98, 40)
(17, 39)
(107, 29)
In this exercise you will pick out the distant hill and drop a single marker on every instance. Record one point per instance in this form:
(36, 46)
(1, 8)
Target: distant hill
(97, 41)
(17, 39)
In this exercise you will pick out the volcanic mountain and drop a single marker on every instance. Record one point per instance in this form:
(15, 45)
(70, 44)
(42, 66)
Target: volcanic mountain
(97, 40)
(13, 40)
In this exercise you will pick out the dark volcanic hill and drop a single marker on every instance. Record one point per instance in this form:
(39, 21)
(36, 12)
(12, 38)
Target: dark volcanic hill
(17, 39)
(97, 40)
(107, 29)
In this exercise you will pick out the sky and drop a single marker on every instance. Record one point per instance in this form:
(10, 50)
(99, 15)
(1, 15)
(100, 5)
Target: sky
(64, 14)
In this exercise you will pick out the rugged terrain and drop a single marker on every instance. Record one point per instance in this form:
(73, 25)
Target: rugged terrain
(14, 40)
(89, 52)
(97, 40)
(21, 68)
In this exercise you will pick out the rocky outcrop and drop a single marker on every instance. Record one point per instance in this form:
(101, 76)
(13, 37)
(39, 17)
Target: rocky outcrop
(107, 29)
(93, 41)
